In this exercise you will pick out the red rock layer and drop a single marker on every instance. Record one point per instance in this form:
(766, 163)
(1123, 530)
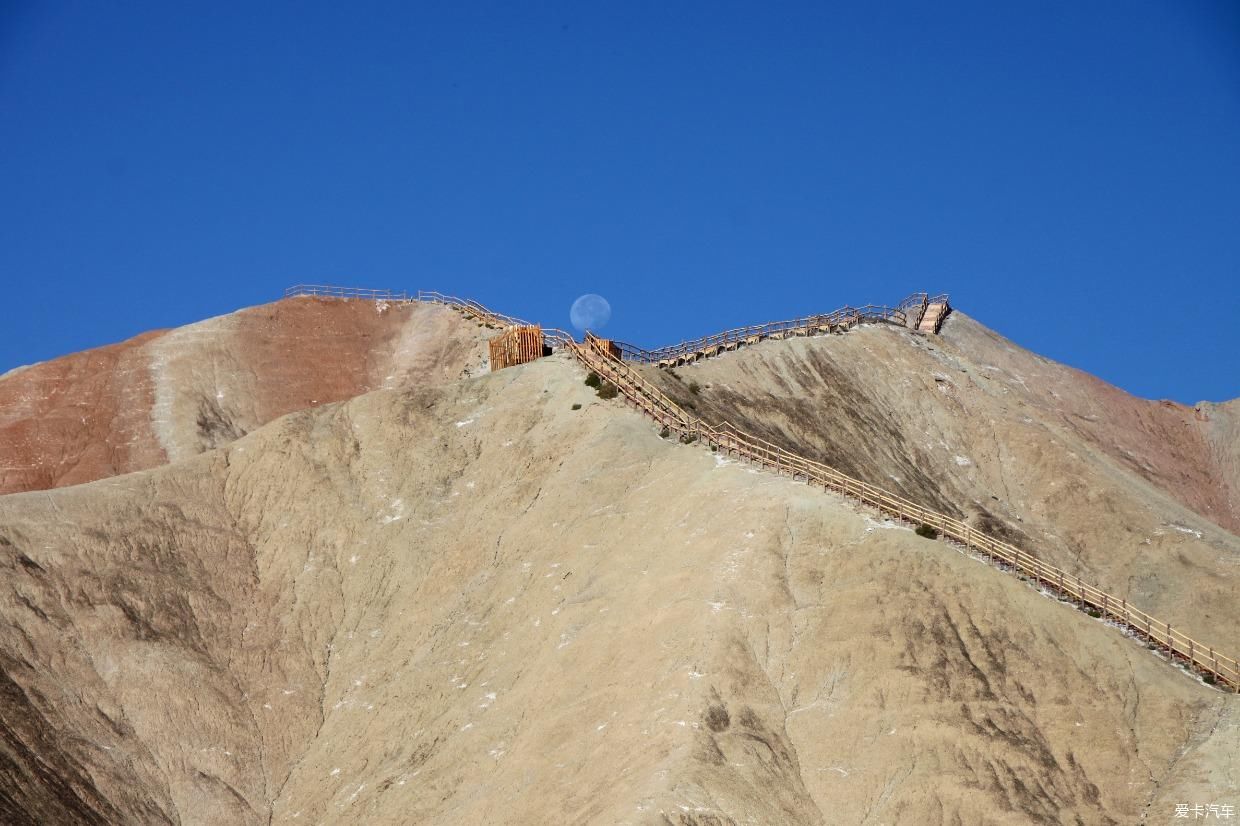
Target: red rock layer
(78, 418)
(169, 394)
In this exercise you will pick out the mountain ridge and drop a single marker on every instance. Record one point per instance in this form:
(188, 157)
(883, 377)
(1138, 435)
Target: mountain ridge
(499, 598)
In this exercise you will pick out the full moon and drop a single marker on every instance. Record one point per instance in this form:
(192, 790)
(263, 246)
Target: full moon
(590, 312)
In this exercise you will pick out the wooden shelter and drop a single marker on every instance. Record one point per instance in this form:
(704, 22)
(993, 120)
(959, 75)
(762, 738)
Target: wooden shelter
(517, 345)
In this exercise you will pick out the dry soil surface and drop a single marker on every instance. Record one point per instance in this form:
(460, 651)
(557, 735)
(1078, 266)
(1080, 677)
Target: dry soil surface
(469, 603)
(1135, 496)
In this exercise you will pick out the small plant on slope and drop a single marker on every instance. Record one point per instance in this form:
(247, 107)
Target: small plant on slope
(593, 380)
(608, 391)
(928, 531)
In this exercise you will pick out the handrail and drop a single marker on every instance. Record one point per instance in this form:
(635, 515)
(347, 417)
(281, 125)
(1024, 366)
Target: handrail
(333, 291)
(768, 455)
(732, 440)
(805, 325)
(552, 335)
(472, 308)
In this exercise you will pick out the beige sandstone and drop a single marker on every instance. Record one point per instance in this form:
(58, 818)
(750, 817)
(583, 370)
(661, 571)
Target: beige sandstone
(463, 601)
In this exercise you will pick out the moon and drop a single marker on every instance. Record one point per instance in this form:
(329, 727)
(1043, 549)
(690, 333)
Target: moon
(590, 312)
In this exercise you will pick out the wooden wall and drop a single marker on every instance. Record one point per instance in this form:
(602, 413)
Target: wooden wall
(516, 345)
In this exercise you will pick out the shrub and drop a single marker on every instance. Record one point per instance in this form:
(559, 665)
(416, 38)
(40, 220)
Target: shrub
(1209, 679)
(688, 439)
(576, 407)
(695, 388)
(593, 380)
(665, 432)
(608, 391)
(928, 531)
(1095, 613)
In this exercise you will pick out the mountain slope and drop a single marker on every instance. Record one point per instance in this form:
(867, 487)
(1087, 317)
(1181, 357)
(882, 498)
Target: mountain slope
(472, 604)
(167, 395)
(1128, 494)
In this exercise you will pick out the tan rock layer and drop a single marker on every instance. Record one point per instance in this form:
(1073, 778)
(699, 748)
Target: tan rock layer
(475, 604)
(168, 395)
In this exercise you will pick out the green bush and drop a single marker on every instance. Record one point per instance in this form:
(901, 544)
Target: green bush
(593, 380)
(695, 388)
(1095, 613)
(576, 407)
(928, 531)
(1209, 679)
(608, 391)
(665, 432)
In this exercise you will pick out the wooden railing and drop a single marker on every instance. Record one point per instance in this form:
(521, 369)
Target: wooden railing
(1222, 670)
(914, 308)
(333, 291)
(470, 308)
(843, 318)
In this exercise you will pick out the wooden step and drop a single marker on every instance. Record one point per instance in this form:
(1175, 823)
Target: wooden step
(932, 317)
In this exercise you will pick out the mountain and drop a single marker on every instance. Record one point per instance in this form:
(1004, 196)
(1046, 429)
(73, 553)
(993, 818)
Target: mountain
(461, 598)
(170, 394)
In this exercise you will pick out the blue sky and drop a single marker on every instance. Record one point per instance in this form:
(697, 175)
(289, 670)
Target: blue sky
(1069, 171)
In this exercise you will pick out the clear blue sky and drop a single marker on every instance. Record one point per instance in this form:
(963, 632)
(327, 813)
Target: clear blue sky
(1069, 171)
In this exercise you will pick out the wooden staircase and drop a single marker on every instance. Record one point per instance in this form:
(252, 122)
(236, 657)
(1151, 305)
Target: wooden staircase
(910, 313)
(1216, 668)
(918, 312)
(936, 310)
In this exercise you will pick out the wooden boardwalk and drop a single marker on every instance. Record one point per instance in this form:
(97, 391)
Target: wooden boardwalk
(918, 312)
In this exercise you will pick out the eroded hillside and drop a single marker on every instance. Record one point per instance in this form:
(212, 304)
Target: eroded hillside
(473, 604)
(1130, 494)
(167, 395)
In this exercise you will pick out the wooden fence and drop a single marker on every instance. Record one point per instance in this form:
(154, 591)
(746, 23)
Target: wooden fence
(516, 345)
(472, 309)
(1220, 669)
(333, 291)
(907, 313)
(608, 359)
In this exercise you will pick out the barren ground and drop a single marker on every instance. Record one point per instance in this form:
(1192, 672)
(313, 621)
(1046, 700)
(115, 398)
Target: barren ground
(463, 601)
